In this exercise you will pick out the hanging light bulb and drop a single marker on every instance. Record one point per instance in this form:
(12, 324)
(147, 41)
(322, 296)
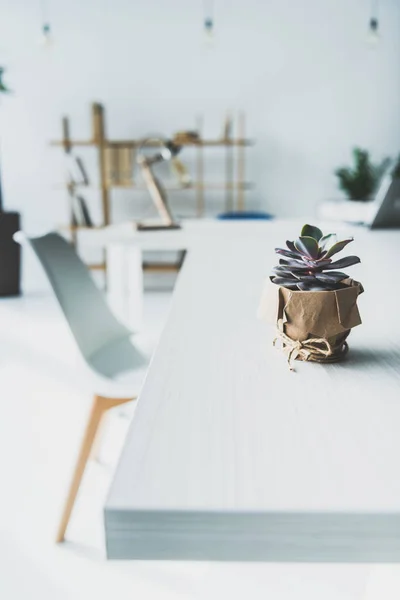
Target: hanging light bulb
(208, 29)
(373, 29)
(46, 38)
(373, 33)
(208, 23)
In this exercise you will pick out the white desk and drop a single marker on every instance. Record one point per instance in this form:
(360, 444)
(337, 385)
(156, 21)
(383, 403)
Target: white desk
(232, 457)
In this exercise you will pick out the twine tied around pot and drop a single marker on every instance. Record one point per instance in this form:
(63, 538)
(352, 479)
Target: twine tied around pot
(312, 349)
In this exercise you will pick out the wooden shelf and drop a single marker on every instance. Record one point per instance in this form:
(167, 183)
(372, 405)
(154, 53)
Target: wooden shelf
(242, 185)
(117, 167)
(163, 267)
(138, 143)
(97, 266)
(73, 228)
(147, 267)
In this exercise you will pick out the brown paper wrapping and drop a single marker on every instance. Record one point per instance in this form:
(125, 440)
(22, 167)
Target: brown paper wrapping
(329, 315)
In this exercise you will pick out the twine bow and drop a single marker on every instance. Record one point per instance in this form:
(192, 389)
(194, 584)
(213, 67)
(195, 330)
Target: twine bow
(313, 349)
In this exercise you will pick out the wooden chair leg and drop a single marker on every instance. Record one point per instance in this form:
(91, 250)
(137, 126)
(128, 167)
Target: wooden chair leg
(96, 446)
(99, 406)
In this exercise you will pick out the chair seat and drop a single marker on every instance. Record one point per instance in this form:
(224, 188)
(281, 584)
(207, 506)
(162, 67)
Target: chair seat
(119, 368)
(126, 385)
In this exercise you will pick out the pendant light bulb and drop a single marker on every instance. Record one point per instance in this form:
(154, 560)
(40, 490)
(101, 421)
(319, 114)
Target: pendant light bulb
(46, 38)
(373, 31)
(209, 30)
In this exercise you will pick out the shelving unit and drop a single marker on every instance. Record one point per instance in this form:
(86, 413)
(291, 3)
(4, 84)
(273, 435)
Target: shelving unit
(118, 168)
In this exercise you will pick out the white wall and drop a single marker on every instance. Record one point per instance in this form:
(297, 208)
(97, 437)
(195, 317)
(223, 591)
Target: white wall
(310, 84)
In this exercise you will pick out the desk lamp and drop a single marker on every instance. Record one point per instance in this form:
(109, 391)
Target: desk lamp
(168, 152)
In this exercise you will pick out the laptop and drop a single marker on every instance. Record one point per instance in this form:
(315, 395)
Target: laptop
(385, 209)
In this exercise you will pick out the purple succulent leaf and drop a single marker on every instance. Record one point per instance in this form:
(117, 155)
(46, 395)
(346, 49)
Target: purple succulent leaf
(285, 282)
(293, 262)
(317, 286)
(321, 263)
(280, 269)
(311, 231)
(335, 274)
(348, 261)
(283, 272)
(291, 246)
(327, 240)
(338, 247)
(331, 277)
(305, 278)
(307, 246)
(303, 286)
(287, 253)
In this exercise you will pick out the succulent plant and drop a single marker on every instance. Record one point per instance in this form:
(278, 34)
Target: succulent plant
(3, 87)
(361, 181)
(307, 262)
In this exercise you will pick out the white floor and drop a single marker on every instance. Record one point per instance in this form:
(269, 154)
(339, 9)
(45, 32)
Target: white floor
(43, 407)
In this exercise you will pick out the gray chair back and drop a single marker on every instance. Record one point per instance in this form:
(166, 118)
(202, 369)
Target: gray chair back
(90, 319)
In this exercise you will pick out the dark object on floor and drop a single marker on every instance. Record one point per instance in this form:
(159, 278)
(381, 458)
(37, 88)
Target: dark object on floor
(10, 255)
(255, 215)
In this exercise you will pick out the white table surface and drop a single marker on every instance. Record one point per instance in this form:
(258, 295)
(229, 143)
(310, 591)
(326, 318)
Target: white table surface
(232, 457)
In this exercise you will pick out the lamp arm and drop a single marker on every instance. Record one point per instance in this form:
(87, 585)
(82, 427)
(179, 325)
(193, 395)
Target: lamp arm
(156, 190)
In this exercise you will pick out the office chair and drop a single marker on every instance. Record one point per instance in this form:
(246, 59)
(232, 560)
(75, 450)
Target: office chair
(116, 366)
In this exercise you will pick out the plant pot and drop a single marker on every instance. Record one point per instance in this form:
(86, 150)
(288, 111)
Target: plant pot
(346, 211)
(312, 325)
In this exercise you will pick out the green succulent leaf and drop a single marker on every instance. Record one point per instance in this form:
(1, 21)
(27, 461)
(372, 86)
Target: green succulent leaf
(337, 247)
(311, 231)
(307, 246)
(327, 240)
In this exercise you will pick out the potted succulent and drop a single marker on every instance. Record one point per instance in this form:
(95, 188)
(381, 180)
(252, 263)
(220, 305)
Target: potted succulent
(360, 181)
(312, 302)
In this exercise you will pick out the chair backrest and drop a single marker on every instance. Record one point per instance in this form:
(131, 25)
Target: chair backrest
(88, 315)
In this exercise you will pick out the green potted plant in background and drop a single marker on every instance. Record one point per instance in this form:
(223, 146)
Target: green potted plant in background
(360, 181)
(10, 253)
(312, 303)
